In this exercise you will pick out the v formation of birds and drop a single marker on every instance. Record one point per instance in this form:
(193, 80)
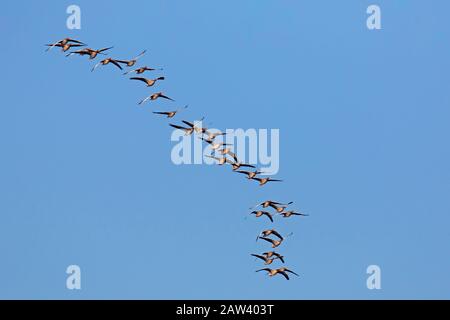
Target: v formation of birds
(271, 236)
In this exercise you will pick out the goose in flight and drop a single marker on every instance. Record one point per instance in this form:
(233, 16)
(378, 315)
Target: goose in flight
(270, 254)
(88, 51)
(263, 181)
(230, 153)
(154, 97)
(266, 233)
(283, 271)
(262, 213)
(220, 161)
(237, 165)
(250, 174)
(132, 62)
(212, 135)
(142, 70)
(215, 145)
(287, 214)
(169, 114)
(63, 44)
(187, 131)
(105, 62)
(64, 47)
(275, 243)
(149, 82)
(196, 128)
(272, 204)
(266, 259)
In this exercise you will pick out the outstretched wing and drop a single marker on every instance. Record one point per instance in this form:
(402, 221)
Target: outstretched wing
(268, 215)
(300, 214)
(247, 165)
(139, 79)
(279, 256)
(131, 71)
(258, 256)
(287, 270)
(166, 97)
(75, 41)
(145, 100)
(177, 127)
(114, 62)
(96, 66)
(140, 55)
(277, 234)
(104, 49)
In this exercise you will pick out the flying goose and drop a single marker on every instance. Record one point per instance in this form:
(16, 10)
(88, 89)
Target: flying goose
(133, 61)
(236, 165)
(149, 82)
(88, 51)
(268, 232)
(279, 209)
(287, 214)
(105, 62)
(266, 260)
(263, 181)
(62, 43)
(283, 271)
(220, 161)
(230, 153)
(275, 243)
(142, 70)
(213, 135)
(169, 114)
(262, 213)
(215, 145)
(273, 253)
(196, 128)
(250, 174)
(64, 47)
(272, 204)
(154, 97)
(187, 131)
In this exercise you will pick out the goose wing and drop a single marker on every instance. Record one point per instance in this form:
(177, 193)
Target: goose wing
(268, 215)
(164, 113)
(279, 256)
(276, 233)
(284, 274)
(140, 55)
(104, 49)
(145, 100)
(140, 79)
(258, 256)
(114, 62)
(96, 66)
(290, 271)
(166, 97)
(178, 127)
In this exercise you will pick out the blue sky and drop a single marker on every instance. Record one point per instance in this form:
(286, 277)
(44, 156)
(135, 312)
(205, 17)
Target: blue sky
(86, 176)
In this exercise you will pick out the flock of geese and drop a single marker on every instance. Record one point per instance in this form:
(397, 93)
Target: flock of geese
(226, 155)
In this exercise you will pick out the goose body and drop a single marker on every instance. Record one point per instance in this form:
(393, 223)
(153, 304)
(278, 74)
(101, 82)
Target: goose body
(273, 272)
(149, 82)
(262, 213)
